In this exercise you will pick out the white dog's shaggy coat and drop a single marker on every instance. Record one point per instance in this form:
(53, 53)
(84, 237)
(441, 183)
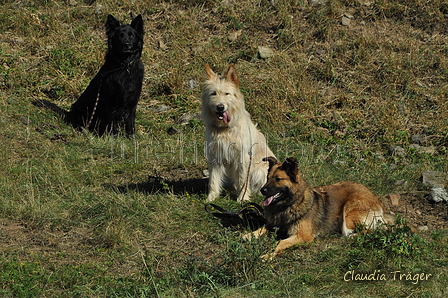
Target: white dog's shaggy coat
(234, 146)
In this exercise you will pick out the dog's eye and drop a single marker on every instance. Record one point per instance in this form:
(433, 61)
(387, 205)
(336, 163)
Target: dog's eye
(227, 94)
(277, 179)
(213, 93)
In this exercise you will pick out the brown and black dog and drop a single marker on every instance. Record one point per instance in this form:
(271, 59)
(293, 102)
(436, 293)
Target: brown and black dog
(300, 212)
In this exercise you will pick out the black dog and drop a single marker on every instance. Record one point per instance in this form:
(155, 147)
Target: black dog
(112, 96)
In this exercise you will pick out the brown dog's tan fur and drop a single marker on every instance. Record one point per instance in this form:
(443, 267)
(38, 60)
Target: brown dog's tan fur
(301, 212)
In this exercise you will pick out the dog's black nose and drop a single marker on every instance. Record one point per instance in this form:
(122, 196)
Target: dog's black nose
(263, 191)
(220, 107)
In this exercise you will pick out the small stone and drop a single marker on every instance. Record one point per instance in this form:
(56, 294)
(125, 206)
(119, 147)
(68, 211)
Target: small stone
(265, 52)
(197, 50)
(316, 2)
(162, 45)
(234, 35)
(433, 179)
(394, 199)
(400, 182)
(191, 84)
(414, 146)
(345, 21)
(99, 9)
(186, 118)
(205, 173)
(431, 150)
(19, 40)
(423, 228)
(362, 23)
(438, 194)
(161, 108)
(397, 151)
(379, 156)
(418, 139)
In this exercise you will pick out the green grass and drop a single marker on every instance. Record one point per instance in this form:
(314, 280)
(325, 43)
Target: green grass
(119, 217)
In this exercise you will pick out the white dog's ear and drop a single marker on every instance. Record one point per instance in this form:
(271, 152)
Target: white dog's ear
(231, 75)
(209, 71)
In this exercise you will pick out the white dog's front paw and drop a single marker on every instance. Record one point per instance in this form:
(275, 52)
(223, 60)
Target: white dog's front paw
(243, 197)
(210, 199)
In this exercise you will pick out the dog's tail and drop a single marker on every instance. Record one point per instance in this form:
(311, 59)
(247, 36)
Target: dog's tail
(389, 218)
(51, 106)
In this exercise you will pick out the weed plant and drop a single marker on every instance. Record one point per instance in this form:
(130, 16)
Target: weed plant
(393, 242)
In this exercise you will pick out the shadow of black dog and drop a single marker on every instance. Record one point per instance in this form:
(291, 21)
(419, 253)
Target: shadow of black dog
(155, 185)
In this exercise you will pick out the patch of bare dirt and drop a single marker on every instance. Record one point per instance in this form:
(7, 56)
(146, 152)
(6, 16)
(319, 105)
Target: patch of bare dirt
(20, 237)
(420, 212)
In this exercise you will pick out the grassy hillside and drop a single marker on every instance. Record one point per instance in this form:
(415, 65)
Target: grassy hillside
(82, 216)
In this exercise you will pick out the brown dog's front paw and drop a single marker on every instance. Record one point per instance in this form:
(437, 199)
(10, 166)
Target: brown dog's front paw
(247, 237)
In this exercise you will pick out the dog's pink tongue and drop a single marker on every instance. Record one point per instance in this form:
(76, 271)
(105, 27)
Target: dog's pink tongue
(268, 201)
(226, 117)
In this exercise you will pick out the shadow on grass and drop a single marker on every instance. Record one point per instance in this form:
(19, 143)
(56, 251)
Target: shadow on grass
(156, 185)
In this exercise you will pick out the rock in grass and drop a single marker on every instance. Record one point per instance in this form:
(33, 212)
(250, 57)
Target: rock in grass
(186, 118)
(345, 21)
(234, 35)
(161, 108)
(394, 199)
(431, 150)
(316, 2)
(418, 139)
(397, 151)
(265, 52)
(433, 179)
(438, 194)
(191, 84)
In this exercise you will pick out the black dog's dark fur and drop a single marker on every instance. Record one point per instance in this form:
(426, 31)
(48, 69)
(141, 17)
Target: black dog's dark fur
(112, 96)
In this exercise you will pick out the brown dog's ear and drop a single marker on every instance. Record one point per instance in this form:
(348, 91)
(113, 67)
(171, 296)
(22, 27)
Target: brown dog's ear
(231, 75)
(291, 168)
(272, 161)
(209, 72)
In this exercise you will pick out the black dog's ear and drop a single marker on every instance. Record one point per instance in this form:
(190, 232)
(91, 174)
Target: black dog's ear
(291, 168)
(272, 161)
(137, 24)
(111, 24)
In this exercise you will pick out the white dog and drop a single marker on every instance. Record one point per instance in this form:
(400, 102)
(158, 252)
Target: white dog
(234, 148)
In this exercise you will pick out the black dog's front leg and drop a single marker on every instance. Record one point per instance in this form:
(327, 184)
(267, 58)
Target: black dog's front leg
(129, 122)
